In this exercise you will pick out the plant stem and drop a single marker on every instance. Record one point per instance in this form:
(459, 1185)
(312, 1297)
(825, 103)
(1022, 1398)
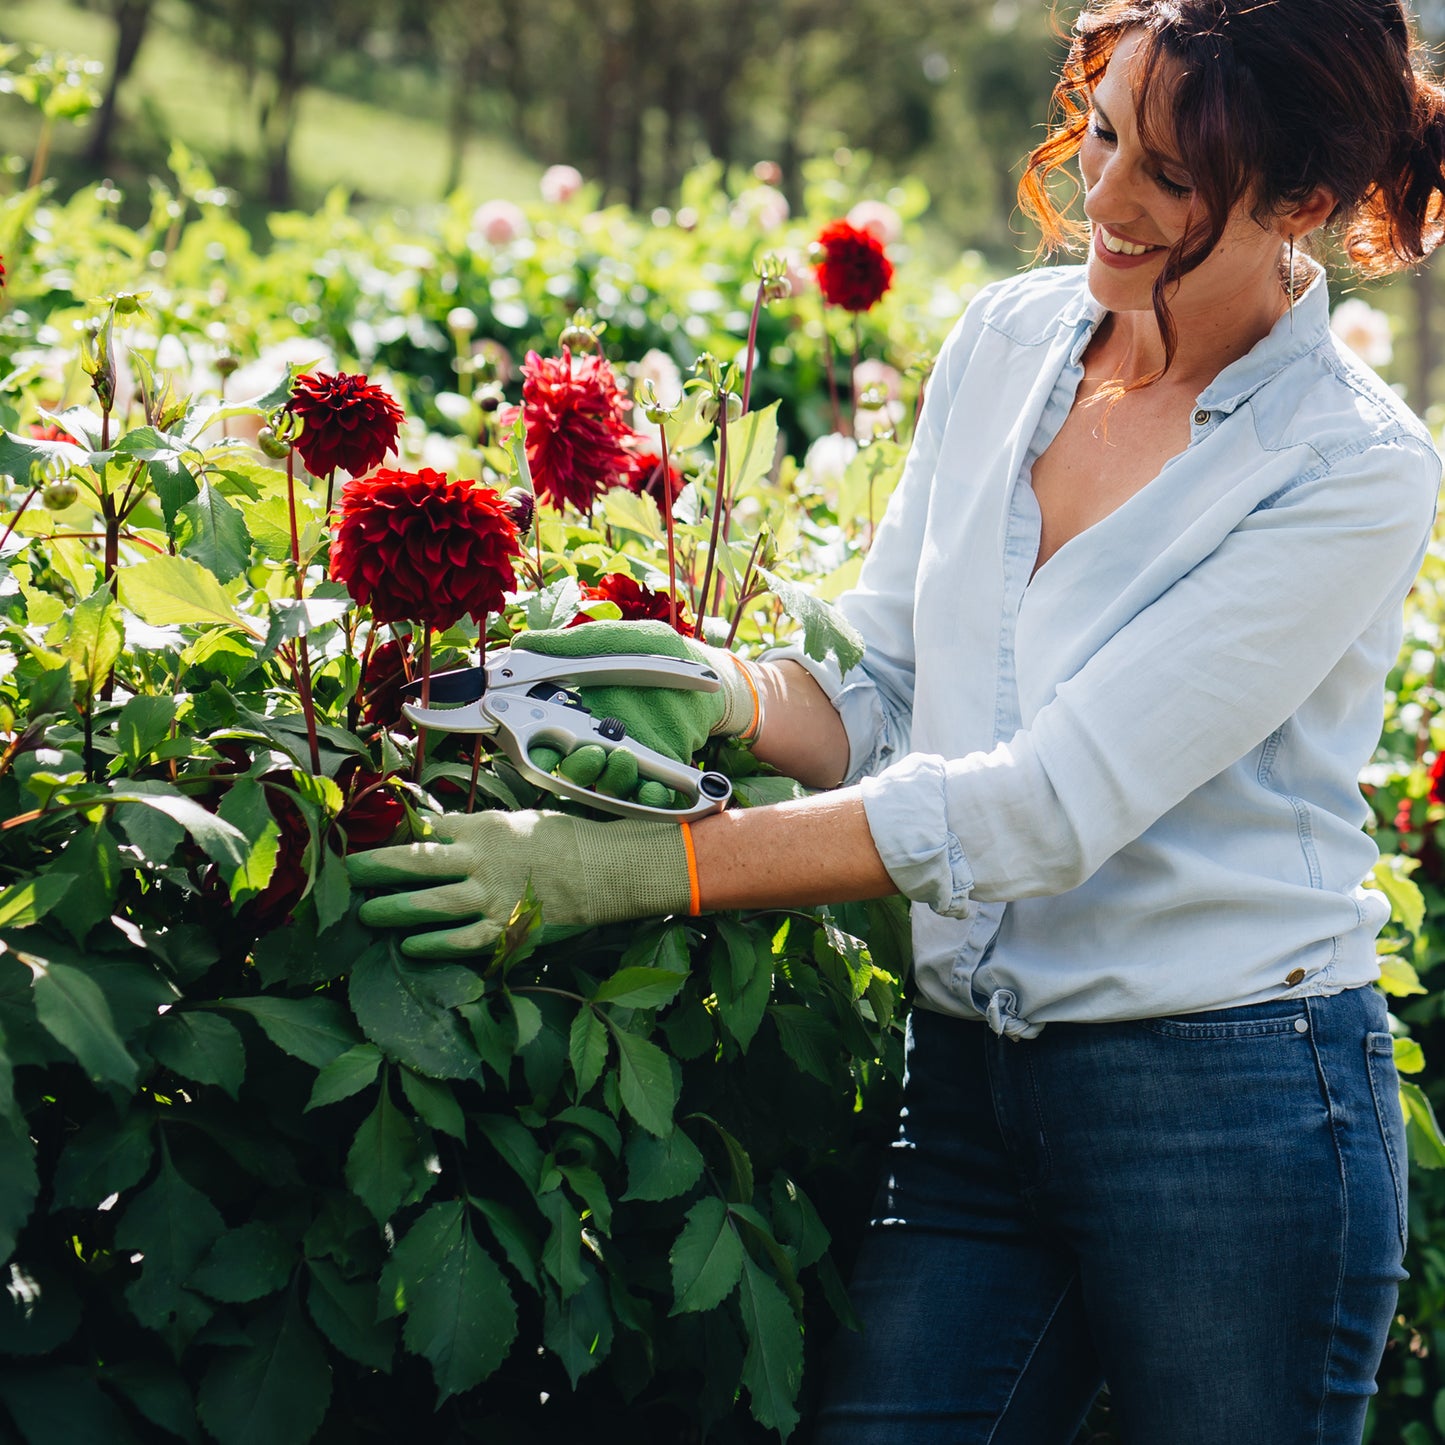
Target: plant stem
(832, 379)
(19, 512)
(743, 591)
(752, 345)
(42, 154)
(420, 756)
(667, 518)
(302, 651)
(719, 493)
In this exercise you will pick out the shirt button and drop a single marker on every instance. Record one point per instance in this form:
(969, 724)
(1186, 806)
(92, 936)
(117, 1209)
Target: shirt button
(1296, 975)
(1201, 417)
(1301, 1026)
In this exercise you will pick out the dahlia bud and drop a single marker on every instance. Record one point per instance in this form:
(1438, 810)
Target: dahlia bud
(583, 332)
(227, 363)
(98, 363)
(708, 408)
(278, 435)
(772, 271)
(271, 445)
(652, 407)
(461, 322)
(128, 304)
(58, 494)
(522, 507)
(489, 396)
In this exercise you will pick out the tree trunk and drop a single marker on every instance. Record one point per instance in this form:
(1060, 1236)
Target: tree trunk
(132, 17)
(278, 125)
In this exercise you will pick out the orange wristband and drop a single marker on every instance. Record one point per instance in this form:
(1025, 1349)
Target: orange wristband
(694, 902)
(752, 728)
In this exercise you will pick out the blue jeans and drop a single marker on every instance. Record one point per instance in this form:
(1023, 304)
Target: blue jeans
(1207, 1212)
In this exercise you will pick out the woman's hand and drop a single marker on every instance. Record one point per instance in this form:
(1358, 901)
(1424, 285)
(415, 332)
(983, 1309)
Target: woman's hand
(475, 869)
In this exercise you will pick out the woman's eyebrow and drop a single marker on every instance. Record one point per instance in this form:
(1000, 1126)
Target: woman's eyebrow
(1100, 111)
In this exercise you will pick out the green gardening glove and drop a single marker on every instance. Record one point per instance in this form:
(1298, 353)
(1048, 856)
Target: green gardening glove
(477, 869)
(669, 720)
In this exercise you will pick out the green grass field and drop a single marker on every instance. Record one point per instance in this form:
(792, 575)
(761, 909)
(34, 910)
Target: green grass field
(179, 89)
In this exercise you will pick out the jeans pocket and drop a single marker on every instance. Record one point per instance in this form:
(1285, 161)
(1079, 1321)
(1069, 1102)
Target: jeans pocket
(1385, 1088)
(1260, 1020)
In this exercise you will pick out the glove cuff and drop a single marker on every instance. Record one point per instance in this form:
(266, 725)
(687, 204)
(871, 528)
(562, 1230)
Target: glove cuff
(635, 869)
(742, 714)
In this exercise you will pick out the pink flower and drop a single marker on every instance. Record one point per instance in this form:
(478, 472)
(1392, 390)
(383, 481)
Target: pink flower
(559, 184)
(878, 219)
(498, 222)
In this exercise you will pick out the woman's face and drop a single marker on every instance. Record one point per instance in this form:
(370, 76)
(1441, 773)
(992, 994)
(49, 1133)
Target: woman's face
(1139, 203)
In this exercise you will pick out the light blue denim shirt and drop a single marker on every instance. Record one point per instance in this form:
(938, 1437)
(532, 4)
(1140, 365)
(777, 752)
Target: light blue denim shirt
(1128, 787)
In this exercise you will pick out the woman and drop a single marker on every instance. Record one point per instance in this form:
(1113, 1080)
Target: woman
(1127, 621)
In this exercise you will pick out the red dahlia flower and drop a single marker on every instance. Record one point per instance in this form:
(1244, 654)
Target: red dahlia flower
(577, 429)
(1437, 779)
(853, 268)
(636, 602)
(51, 433)
(349, 423)
(372, 812)
(644, 474)
(381, 683)
(418, 547)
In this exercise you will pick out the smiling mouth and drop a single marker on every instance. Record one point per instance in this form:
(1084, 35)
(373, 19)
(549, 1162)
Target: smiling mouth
(1123, 248)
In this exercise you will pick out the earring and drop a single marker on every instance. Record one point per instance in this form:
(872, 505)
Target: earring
(1289, 282)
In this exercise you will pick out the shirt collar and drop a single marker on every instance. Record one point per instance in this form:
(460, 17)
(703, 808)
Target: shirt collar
(1293, 335)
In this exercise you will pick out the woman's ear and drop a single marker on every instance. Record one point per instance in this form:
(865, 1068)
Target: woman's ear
(1309, 214)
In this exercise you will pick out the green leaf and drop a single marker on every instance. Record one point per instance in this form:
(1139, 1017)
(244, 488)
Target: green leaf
(1427, 1145)
(332, 893)
(108, 1156)
(62, 1405)
(665, 946)
(40, 1309)
(578, 1329)
(587, 1048)
(345, 1075)
(19, 1184)
(200, 1046)
(97, 634)
(25, 903)
(91, 855)
(460, 1315)
(244, 807)
(209, 530)
(515, 1143)
(314, 1030)
(395, 1002)
(435, 1104)
(773, 1365)
(159, 1393)
(752, 446)
(660, 1169)
(517, 1240)
(640, 987)
(1407, 903)
(219, 840)
(245, 1264)
(172, 1225)
(825, 630)
(385, 1166)
(800, 1229)
(73, 1011)
(167, 590)
(1398, 978)
(647, 1080)
(562, 1253)
(740, 1164)
(143, 725)
(706, 1258)
(1409, 1056)
(273, 1392)
(345, 1312)
(809, 1040)
(554, 606)
(175, 485)
(742, 979)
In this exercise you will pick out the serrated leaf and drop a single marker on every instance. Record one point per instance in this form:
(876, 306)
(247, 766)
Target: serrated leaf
(25, 903)
(244, 807)
(752, 446)
(826, 632)
(460, 1315)
(143, 725)
(741, 971)
(640, 987)
(97, 635)
(222, 843)
(19, 1184)
(554, 606)
(1398, 977)
(74, 1012)
(159, 1393)
(106, 1157)
(395, 1002)
(273, 1392)
(201, 1047)
(345, 1312)
(62, 1404)
(384, 1165)
(435, 1104)
(209, 530)
(245, 1264)
(169, 590)
(773, 1365)
(515, 1143)
(315, 1030)
(578, 1329)
(345, 1075)
(1407, 903)
(809, 1040)
(332, 892)
(562, 1251)
(647, 1080)
(172, 1225)
(519, 1244)
(660, 1169)
(587, 1048)
(706, 1258)
(40, 1309)
(740, 1163)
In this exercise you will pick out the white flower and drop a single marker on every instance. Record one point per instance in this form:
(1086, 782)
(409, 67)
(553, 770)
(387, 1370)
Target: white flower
(498, 223)
(764, 207)
(878, 218)
(1364, 330)
(559, 184)
(827, 459)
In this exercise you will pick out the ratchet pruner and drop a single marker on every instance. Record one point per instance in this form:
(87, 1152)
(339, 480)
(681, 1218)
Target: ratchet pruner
(520, 698)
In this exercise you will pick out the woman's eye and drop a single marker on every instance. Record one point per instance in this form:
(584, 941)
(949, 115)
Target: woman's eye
(1099, 133)
(1174, 188)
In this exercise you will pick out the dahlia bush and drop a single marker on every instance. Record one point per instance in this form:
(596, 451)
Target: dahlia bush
(262, 1178)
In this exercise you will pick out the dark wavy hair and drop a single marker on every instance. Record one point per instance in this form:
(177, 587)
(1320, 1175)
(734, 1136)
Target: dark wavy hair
(1264, 101)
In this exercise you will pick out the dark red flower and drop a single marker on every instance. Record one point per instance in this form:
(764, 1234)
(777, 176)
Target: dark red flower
(381, 685)
(372, 812)
(349, 423)
(275, 903)
(636, 602)
(2, 270)
(577, 429)
(1437, 779)
(644, 474)
(416, 546)
(852, 265)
